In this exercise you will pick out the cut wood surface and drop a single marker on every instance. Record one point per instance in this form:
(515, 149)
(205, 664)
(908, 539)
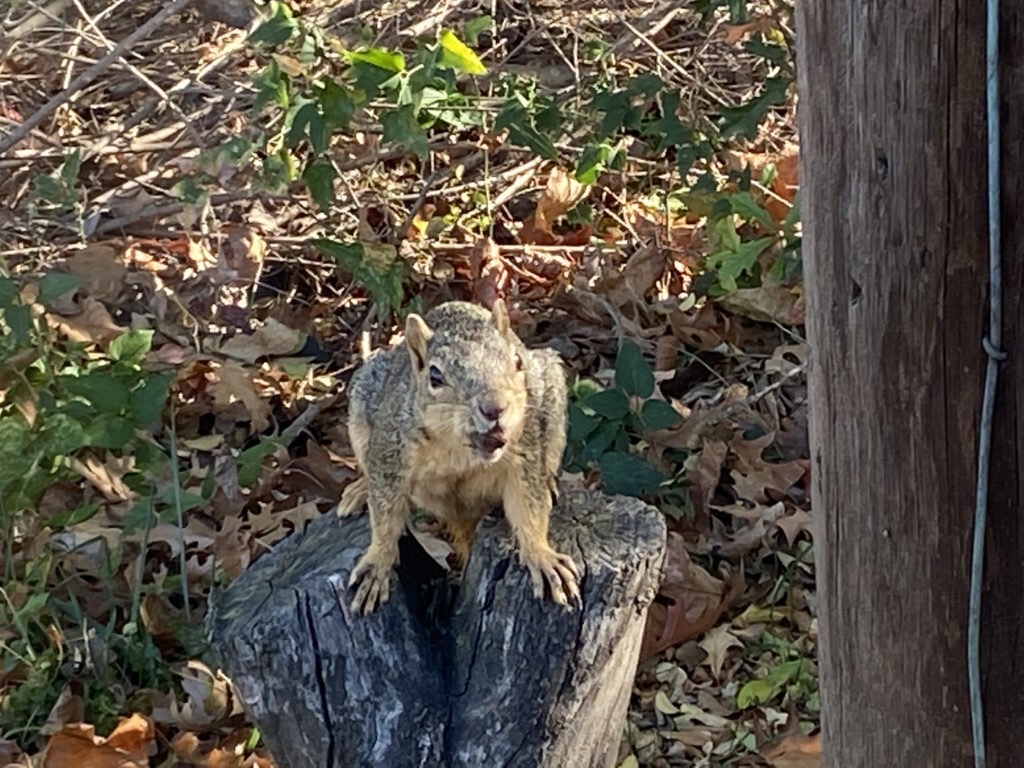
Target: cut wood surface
(482, 675)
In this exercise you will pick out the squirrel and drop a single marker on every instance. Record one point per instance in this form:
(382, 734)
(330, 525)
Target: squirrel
(462, 419)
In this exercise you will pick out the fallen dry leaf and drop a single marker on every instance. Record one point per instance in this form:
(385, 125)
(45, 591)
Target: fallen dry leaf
(93, 324)
(716, 644)
(736, 32)
(102, 273)
(696, 600)
(10, 753)
(768, 303)
(235, 384)
(207, 696)
(792, 525)
(642, 270)
(489, 272)
(561, 193)
(272, 339)
(794, 751)
(107, 476)
(129, 746)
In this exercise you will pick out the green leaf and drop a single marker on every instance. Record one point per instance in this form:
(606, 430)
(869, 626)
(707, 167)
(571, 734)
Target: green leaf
(772, 52)
(389, 61)
(764, 689)
(401, 127)
(109, 432)
(55, 284)
(580, 424)
(744, 119)
(657, 414)
(300, 120)
(103, 391)
(455, 54)
(623, 473)
(669, 129)
(131, 347)
(15, 458)
(744, 206)
(730, 265)
(610, 403)
(275, 30)
(69, 517)
(61, 435)
(729, 238)
(377, 269)
(48, 189)
(599, 441)
(148, 399)
(250, 462)
(472, 28)
(633, 374)
(521, 130)
(319, 178)
(348, 255)
(593, 160)
(337, 104)
(271, 86)
(32, 606)
(319, 133)
(19, 320)
(69, 168)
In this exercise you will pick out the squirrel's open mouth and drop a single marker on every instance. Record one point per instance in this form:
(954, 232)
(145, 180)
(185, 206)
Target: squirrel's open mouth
(489, 445)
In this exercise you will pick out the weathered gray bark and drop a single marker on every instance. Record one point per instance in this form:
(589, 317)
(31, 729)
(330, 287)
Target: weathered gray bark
(489, 677)
(892, 110)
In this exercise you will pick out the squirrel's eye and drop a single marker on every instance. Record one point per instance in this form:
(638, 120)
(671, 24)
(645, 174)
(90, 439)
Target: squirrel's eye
(436, 377)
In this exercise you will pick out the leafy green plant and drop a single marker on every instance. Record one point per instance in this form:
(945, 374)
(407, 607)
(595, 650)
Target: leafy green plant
(60, 403)
(605, 423)
(789, 674)
(60, 188)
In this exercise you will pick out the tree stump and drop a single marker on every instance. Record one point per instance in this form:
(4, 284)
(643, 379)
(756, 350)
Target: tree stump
(481, 675)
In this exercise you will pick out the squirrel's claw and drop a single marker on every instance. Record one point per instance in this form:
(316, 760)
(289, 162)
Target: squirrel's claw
(372, 579)
(353, 498)
(560, 573)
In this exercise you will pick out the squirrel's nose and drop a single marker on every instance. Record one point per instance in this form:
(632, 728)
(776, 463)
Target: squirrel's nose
(490, 410)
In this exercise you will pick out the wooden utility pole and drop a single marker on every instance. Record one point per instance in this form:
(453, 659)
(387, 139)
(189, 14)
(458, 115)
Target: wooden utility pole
(892, 119)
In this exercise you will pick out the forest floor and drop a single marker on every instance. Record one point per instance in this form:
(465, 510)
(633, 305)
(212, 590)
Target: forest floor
(193, 242)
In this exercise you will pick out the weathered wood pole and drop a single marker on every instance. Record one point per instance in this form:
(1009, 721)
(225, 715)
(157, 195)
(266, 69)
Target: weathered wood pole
(892, 123)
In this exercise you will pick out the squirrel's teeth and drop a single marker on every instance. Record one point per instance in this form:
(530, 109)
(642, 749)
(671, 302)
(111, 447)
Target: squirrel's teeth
(487, 444)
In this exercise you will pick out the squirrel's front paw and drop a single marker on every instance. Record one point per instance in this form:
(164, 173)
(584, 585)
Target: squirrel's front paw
(353, 498)
(558, 570)
(372, 579)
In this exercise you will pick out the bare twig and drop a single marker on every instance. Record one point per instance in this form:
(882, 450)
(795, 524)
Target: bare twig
(23, 130)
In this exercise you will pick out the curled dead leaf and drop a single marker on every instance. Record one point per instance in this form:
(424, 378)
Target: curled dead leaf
(561, 193)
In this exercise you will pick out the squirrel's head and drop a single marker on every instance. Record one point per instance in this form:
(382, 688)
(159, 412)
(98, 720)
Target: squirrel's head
(470, 378)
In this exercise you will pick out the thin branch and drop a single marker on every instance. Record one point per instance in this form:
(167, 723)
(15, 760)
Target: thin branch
(23, 130)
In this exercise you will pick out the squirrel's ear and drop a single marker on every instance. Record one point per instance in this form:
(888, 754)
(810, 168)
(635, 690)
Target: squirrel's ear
(417, 334)
(500, 312)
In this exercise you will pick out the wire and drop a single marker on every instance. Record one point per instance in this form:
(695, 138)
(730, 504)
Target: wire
(991, 345)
